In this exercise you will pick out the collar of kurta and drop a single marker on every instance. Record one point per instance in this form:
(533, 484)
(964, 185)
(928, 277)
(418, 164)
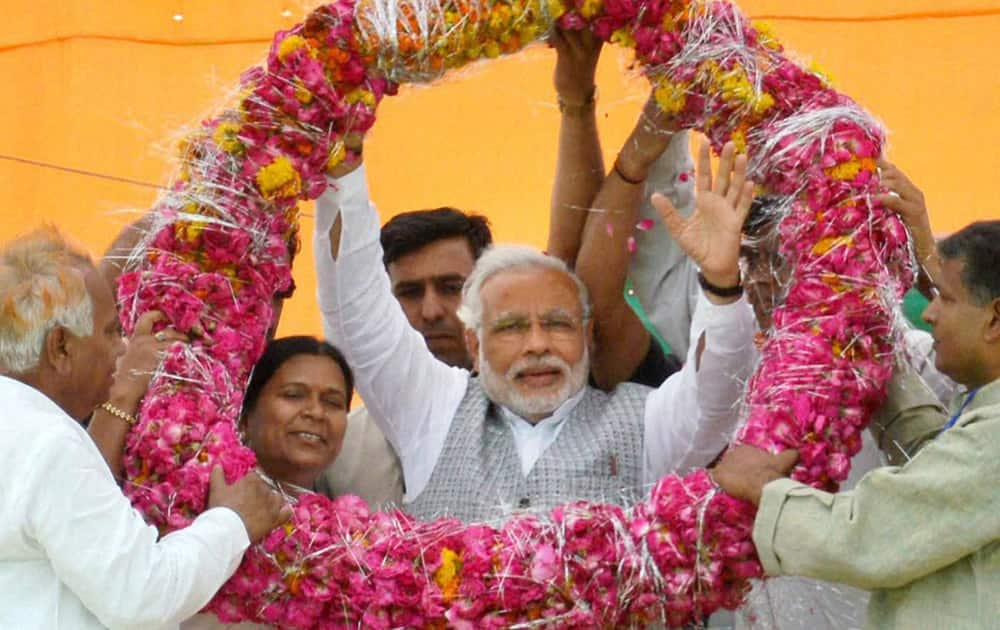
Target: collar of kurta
(986, 396)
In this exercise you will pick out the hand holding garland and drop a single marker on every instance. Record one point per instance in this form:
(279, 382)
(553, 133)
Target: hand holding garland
(132, 375)
(907, 201)
(744, 470)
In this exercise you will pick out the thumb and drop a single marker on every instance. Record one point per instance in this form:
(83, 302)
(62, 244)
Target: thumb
(218, 478)
(672, 219)
(785, 461)
(144, 325)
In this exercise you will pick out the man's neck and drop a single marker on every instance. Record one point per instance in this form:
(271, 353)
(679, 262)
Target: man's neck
(47, 384)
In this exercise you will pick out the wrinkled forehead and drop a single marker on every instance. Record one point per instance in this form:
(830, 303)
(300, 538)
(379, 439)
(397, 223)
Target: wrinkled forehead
(530, 291)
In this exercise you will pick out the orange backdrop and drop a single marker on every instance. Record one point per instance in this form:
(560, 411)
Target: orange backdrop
(107, 87)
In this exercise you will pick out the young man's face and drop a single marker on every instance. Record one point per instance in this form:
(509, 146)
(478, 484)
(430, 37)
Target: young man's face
(428, 285)
(959, 325)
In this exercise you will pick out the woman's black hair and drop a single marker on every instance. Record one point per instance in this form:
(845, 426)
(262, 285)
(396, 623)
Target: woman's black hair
(280, 350)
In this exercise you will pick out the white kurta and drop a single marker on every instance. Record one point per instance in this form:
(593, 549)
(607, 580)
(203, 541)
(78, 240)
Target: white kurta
(73, 552)
(414, 397)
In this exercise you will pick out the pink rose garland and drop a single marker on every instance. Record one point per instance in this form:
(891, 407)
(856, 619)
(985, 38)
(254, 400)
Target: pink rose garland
(220, 251)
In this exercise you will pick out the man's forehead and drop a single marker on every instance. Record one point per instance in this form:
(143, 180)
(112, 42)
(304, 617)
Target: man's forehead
(950, 279)
(445, 257)
(530, 290)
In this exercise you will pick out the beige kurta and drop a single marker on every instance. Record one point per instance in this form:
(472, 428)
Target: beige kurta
(924, 537)
(366, 466)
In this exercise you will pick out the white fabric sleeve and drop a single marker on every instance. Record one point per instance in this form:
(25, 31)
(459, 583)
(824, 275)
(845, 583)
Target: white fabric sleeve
(691, 417)
(410, 394)
(104, 552)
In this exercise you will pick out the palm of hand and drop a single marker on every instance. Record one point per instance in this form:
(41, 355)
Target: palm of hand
(710, 236)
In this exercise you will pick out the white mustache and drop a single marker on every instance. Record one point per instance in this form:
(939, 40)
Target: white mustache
(547, 361)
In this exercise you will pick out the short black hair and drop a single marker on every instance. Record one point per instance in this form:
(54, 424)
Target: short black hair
(978, 246)
(764, 211)
(407, 232)
(278, 351)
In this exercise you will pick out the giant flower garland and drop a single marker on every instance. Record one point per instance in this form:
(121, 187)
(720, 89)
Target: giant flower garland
(219, 251)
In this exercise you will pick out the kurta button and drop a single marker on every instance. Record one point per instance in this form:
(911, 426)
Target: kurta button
(524, 503)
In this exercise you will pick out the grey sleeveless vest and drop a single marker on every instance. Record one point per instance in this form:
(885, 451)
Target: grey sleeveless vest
(597, 456)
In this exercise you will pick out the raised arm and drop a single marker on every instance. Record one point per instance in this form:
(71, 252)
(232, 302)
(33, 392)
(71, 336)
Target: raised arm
(690, 418)
(908, 202)
(911, 416)
(621, 340)
(579, 165)
(115, 258)
(410, 394)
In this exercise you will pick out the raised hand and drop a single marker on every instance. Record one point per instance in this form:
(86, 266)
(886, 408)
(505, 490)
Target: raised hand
(577, 53)
(711, 235)
(353, 143)
(906, 200)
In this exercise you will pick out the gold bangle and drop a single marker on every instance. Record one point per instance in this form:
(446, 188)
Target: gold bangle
(126, 417)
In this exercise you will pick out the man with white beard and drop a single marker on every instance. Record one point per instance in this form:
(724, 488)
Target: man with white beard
(527, 432)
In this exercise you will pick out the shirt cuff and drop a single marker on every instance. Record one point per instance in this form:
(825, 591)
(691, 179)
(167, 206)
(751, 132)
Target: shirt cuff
(339, 192)
(765, 525)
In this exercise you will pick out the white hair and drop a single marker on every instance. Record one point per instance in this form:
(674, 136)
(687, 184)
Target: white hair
(42, 286)
(500, 258)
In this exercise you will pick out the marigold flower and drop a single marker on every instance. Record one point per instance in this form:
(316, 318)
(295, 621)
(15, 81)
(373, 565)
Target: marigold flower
(226, 137)
(289, 45)
(279, 179)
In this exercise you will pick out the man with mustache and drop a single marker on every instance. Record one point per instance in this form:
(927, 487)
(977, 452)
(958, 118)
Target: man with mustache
(73, 552)
(528, 433)
(428, 254)
(923, 536)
